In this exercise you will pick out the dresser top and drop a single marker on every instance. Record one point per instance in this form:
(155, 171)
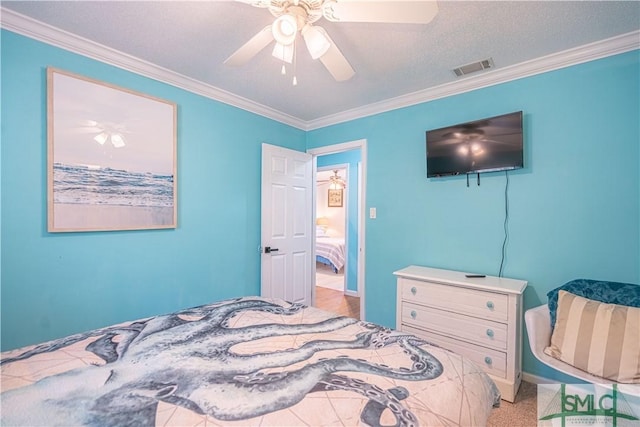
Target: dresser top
(436, 275)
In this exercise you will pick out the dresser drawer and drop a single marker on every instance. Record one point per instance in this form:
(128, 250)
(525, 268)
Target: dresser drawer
(491, 361)
(478, 318)
(483, 304)
(480, 331)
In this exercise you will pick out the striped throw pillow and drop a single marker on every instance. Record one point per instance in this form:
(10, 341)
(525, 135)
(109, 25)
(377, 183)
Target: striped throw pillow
(602, 339)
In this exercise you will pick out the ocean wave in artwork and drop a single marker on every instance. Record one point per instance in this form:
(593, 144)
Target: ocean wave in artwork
(81, 184)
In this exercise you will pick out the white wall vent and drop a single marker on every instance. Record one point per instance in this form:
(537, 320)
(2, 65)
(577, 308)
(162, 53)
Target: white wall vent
(463, 70)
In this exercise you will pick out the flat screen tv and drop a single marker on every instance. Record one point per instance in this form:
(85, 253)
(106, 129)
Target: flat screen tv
(488, 145)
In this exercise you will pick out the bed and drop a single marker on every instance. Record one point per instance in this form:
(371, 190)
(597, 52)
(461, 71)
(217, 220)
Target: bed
(246, 361)
(330, 251)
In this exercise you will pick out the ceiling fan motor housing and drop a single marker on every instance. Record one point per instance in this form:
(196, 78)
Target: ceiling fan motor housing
(309, 10)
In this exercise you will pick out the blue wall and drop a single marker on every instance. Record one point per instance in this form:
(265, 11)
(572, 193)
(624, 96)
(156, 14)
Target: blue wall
(574, 208)
(352, 158)
(57, 284)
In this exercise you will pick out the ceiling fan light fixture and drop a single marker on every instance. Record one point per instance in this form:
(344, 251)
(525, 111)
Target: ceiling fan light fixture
(284, 29)
(283, 52)
(317, 43)
(117, 140)
(101, 138)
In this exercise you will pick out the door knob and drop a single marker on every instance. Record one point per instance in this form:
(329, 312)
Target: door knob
(269, 249)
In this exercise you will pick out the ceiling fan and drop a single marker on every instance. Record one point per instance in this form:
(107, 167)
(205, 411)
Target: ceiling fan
(475, 132)
(105, 131)
(334, 180)
(293, 16)
(472, 139)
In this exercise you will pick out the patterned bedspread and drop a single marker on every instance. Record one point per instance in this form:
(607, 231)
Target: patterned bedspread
(333, 250)
(248, 361)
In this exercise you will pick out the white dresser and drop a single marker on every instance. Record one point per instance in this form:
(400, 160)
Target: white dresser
(480, 318)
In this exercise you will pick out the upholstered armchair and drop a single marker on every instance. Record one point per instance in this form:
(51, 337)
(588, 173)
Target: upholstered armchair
(609, 314)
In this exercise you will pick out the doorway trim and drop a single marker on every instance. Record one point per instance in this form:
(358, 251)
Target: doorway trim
(338, 148)
(345, 167)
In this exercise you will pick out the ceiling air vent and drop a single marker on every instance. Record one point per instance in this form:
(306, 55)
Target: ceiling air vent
(463, 70)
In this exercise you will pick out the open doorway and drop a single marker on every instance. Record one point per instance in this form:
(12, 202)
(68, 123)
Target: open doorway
(338, 209)
(332, 237)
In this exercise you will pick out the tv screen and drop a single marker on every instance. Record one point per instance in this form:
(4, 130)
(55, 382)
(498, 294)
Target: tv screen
(487, 145)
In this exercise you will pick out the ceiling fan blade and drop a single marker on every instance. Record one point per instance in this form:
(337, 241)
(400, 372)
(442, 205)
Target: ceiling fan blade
(335, 62)
(397, 12)
(251, 48)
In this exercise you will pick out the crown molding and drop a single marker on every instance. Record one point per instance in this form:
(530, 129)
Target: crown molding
(48, 34)
(589, 52)
(45, 33)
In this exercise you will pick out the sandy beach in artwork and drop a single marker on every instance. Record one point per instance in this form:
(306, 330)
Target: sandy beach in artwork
(67, 216)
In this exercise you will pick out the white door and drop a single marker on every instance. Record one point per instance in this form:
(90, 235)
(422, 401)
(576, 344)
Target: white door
(287, 233)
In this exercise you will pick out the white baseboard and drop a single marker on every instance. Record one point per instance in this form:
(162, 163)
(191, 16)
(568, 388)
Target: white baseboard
(351, 293)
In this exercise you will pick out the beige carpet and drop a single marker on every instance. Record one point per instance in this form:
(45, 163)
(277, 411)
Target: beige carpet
(521, 413)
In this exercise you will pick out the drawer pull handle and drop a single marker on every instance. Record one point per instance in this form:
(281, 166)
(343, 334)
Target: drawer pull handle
(414, 290)
(490, 305)
(488, 360)
(490, 333)
(414, 314)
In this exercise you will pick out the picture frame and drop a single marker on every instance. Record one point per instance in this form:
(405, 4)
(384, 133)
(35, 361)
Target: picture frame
(111, 157)
(335, 198)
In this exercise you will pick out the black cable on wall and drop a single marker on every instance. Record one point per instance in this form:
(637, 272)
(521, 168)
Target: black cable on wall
(506, 223)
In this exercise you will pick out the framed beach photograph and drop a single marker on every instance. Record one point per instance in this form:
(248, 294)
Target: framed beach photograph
(111, 157)
(335, 198)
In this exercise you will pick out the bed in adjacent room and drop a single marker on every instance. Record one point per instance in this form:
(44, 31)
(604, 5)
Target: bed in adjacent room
(247, 361)
(330, 251)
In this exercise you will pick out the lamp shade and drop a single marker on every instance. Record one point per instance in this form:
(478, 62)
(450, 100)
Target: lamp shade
(117, 140)
(283, 52)
(101, 138)
(317, 43)
(284, 29)
(322, 221)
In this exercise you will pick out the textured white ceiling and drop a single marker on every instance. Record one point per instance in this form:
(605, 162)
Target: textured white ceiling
(193, 38)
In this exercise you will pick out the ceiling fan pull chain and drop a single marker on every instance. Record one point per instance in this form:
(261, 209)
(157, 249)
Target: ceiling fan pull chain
(295, 60)
(283, 71)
